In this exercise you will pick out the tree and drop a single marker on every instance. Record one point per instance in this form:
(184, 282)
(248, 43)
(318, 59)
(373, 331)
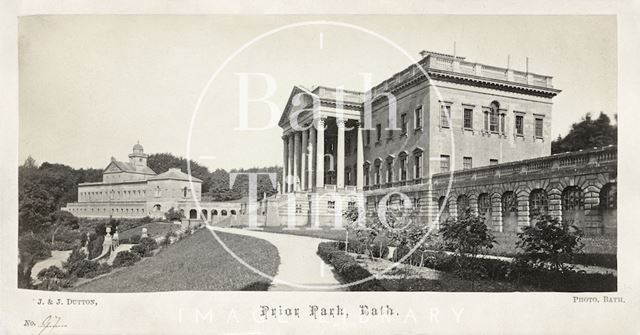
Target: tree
(173, 215)
(587, 134)
(162, 162)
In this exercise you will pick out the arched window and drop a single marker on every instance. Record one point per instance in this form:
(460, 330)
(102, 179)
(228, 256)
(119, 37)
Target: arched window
(184, 192)
(493, 116)
(223, 212)
(484, 205)
(609, 196)
(463, 205)
(204, 214)
(158, 191)
(402, 160)
(193, 214)
(376, 171)
(538, 203)
(214, 212)
(157, 207)
(443, 208)
(572, 198)
(233, 212)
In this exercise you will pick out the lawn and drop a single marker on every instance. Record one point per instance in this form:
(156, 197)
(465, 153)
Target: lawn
(328, 233)
(196, 263)
(154, 229)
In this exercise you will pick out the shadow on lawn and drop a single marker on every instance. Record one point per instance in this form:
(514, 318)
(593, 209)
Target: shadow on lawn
(257, 286)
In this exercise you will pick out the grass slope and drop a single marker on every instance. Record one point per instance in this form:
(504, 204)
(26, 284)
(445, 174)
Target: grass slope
(196, 263)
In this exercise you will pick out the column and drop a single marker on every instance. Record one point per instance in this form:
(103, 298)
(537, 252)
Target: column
(290, 165)
(285, 152)
(340, 154)
(303, 160)
(359, 160)
(311, 166)
(296, 163)
(320, 153)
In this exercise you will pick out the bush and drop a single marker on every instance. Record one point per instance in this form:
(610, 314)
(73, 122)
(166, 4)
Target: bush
(347, 267)
(549, 244)
(145, 247)
(125, 258)
(95, 245)
(32, 248)
(135, 239)
(174, 215)
(145, 219)
(53, 278)
(102, 269)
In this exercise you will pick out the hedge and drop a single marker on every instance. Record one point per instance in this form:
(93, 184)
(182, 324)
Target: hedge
(146, 247)
(125, 258)
(347, 267)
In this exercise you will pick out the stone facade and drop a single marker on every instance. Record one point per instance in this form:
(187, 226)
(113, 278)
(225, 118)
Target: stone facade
(346, 148)
(132, 190)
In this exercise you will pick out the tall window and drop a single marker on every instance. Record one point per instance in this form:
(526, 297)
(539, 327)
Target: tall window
(445, 114)
(609, 196)
(377, 172)
(486, 120)
(463, 205)
(403, 167)
(366, 174)
(378, 132)
(403, 119)
(468, 118)
(389, 171)
(466, 163)
(539, 128)
(502, 123)
(572, 198)
(417, 167)
(368, 137)
(484, 205)
(538, 202)
(417, 116)
(519, 125)
(444, 163)
(493, 117)
(493, 162)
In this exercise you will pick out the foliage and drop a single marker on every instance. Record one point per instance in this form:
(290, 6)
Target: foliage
(348, 268)
(145, 247)
(587, 134)
(53, 279)
(162, 162)
(125, 258)
(95, 245)
(549, 244)
(468, 236)
(174, 215)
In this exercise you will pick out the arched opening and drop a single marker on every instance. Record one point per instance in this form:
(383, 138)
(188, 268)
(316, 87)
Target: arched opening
(223, 212)
(573, 206)
(463, 205)
(443, 209)
(205, 215)
(609, 207)
(157, 208)
(214, 212)
(193, 214)
(484, 208)
(233, 212)
(538, 204)
(509, 204)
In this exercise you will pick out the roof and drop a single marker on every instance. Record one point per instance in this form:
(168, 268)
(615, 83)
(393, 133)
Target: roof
(175, 174)
(126, 167)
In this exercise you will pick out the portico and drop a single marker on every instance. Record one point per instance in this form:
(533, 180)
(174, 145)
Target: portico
(322, 141)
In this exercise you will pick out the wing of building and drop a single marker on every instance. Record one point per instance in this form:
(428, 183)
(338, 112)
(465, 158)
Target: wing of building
(132, 190)
(487, 129)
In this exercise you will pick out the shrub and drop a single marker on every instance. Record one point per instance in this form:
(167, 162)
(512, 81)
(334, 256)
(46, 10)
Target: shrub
(167, 238)
(145, 247)
(32, 248)
(174, 215)
(53, 278)
(145, 219)
(347, 267)
(95, 245)
(549, 244)
(125, 258)
(135, 239)
(102, 269)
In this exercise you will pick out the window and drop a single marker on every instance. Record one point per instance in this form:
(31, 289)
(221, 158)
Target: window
(609, 196)
(486, 120)
(572, 199)
(493, 120)
(417, 115)
(463, 205)
(331, 204)
(403, 119)
(509, 203)
(416, 203)
(417, 167)
(368, 137)
(377, 172)
(444, 163)
(538, 203)
(484, 205)
(519, 125)
(445, 115)
(466, 163)
(502, 123)
(389, 171)
(403, 167)
(468, 118)
(493, 162)
(351, 204)
(378, 132)
(538, 127)
(366, 174)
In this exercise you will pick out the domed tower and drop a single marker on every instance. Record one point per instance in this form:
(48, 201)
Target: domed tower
(138, 159)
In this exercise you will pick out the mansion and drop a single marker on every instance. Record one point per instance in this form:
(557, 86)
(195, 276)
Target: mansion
(132, 190)
(450, 135)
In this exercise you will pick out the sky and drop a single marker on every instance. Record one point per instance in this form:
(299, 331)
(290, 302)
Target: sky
(92, 86)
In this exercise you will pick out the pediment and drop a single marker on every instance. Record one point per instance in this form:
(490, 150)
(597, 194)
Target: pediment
(112, 167)
(300, 98)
